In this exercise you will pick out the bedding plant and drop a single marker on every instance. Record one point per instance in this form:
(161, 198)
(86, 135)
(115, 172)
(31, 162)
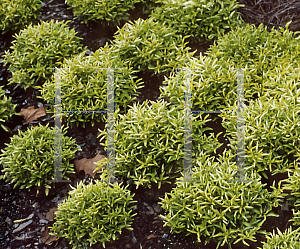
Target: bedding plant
(28, 160)
(151, 46)
(38, 49)
(17, 14)
(292, 185)
(289, 239)
(270, 62)
(218, 207)
(94, 213)
(84, 86)
(271, 133)
(109, 12)
(149, 142)
(7, 109)
(202, 20)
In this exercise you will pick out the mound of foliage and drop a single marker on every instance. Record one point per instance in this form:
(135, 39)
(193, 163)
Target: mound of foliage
(289, 239)
(38, 49)
(271, 133)
(149, 142)
(28, 160)
(216, 205)
(201, 20)
(109, 12)
(84, 86)
(150, 46)
(16, 14)
(97, 212)
(270, 62)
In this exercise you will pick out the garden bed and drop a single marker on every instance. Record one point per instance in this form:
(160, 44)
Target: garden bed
(148, 231)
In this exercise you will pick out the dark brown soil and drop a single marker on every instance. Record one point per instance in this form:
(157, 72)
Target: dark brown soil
(148, 232)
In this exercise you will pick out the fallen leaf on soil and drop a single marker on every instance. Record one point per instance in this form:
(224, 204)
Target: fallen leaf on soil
(31, 114)
(88, 165)
(50, 215)
(151, 236)
(46, 238)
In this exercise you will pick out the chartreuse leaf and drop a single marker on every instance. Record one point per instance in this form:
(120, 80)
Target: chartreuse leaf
(28, 160)
(150, 141)
(213, 197)
(38, 48)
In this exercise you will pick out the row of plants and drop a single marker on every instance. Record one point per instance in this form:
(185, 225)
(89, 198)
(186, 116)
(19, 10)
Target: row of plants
(149, 136)
(201, 19)
(270, 62)
(147, 45)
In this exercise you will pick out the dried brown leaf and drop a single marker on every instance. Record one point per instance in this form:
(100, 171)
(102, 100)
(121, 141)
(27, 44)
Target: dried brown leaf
(46, 238)
(50, 215)
(88, 165)
(30, 114)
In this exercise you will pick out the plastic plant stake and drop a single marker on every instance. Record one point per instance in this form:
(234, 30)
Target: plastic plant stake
(110, 129)
(240, 158)
(57, 129)
(188, 127)
(110, 125)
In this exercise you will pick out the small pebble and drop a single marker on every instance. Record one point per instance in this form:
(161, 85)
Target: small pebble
(8, 221)
(42, 221)
(22, 226)
(134, 240)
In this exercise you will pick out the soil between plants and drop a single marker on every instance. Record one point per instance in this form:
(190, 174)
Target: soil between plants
(148, 231)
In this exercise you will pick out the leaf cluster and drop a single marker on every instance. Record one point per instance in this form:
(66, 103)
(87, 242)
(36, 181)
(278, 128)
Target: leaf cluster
(151, 46)
(84, 86)
(217, 206)
(202, 20)
(149, 142)
(271, 133)
(93, 213)
(16, 14)
(270, 62)
(110, 12)
(292, 184)
(289, 239)
(38, 48)
(28, 160)
(255, 47)
(7, 109)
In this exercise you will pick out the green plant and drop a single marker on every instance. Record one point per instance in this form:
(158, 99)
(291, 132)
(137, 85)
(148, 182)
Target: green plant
(148, 5)
(292, 184)
(257, 48)
(28, 160)
(269, 70)
(271, 133)
(38, 49)
(213, 85)
(15, 14)
(7, 109)
(265, 56)
(93, 213)
(150, 46)
(217, 206)
(149, 142)
(84, 86)
(111, 11)
(289, 239)
(203, 20)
